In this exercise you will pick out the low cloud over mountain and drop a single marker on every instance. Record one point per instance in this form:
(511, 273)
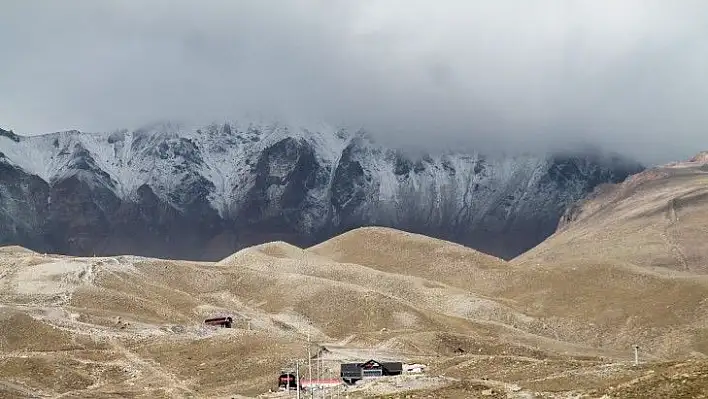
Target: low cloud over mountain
(506, 75)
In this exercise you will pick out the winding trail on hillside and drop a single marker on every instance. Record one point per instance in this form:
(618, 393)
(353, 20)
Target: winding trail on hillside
(666, 235)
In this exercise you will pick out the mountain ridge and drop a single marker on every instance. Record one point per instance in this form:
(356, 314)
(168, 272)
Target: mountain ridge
(213, 189)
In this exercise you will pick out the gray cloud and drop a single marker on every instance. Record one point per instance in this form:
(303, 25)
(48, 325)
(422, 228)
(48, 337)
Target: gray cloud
(629, 76)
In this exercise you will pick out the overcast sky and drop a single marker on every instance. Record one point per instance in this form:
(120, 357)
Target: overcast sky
(628, 75)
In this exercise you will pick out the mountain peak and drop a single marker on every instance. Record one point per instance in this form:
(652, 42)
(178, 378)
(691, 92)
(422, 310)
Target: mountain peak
(9, 134)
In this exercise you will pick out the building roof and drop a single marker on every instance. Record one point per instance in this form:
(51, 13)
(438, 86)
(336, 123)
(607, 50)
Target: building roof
(371, 363)
(350, 367)
(391, 367)
(350, 370)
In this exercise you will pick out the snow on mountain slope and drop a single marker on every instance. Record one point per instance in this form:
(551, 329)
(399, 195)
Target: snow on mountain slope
(241, 182)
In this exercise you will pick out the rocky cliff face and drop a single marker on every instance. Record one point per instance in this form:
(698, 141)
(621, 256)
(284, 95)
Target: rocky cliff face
(23, 206)
(201, 193)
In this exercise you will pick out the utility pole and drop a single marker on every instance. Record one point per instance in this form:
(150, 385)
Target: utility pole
(319, 375)
(297, 378)
(309, 365)
(636, 355)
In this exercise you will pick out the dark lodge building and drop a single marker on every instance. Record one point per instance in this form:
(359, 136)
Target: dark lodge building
(353, 372)
(226, 322)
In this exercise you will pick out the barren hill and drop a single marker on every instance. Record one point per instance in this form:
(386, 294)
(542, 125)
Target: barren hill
(129, 325)
(411, 254)
(601, 302)
(656, 219)
(555, 322)
(631, 260)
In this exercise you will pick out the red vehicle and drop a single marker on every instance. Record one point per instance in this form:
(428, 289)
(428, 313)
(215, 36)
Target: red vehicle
(287, 380)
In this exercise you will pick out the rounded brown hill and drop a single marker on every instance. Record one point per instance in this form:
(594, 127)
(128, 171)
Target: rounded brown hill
(350, 298)
(400, 252)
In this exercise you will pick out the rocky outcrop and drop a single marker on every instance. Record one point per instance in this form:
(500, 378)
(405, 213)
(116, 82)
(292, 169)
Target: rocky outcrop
(23, 206)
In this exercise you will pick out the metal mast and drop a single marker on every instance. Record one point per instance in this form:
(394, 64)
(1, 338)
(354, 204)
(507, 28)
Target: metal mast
(297, 378)
(309, 365)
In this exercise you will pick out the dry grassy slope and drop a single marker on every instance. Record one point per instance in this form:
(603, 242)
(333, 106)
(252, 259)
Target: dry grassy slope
(387, 291)
(632, 262)
(402, 304)
(603, 303)
(588, 379)
(60, 333)
(608, 305)
(142, 319)
(399, 252)
(655, 219)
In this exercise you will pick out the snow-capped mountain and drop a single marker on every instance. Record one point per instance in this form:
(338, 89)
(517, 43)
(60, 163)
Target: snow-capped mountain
(203, 192)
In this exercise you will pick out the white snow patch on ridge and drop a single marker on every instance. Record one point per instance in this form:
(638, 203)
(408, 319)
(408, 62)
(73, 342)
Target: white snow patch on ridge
(129, 157)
